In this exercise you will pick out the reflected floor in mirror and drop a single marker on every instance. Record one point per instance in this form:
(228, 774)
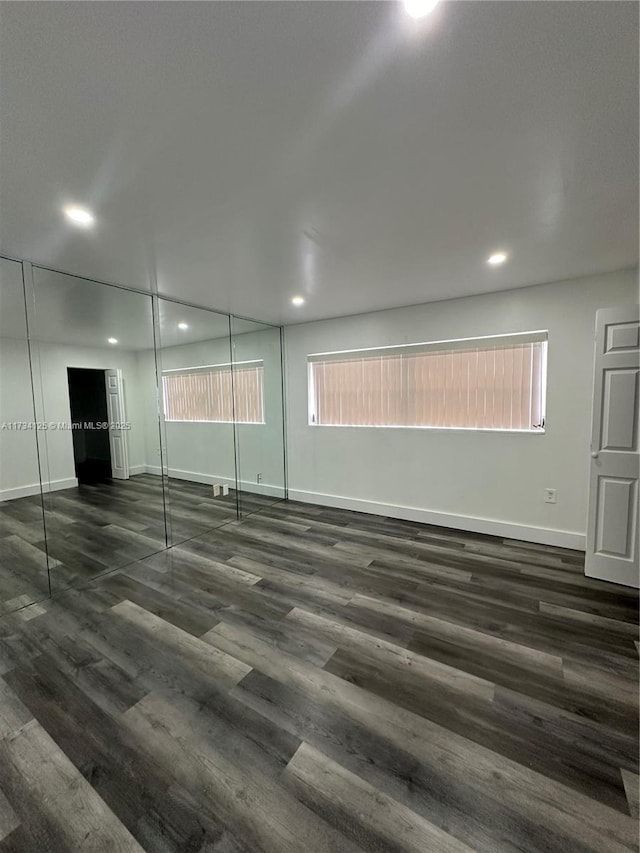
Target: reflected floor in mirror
(92, 529)
(321, 679)
(23, 560)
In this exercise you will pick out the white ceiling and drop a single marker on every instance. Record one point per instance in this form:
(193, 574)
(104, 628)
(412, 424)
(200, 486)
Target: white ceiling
(240, 153)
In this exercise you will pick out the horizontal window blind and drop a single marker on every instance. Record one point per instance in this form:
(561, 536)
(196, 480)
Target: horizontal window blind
(488, 386)
(215, 394)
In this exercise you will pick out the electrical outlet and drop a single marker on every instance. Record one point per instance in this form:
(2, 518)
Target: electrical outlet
(550, 496)
(258, 478)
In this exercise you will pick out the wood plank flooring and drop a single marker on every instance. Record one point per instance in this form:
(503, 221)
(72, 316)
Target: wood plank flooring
(321, 680)
(93, 529)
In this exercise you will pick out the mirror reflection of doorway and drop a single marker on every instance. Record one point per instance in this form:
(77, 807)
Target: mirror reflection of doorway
(91, 447)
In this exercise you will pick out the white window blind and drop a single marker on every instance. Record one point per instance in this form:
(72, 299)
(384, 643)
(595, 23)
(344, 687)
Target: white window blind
(214, 393)
(485, 383)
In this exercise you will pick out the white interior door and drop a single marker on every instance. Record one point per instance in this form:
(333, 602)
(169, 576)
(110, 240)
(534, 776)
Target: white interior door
(612, 528)
(117, 422)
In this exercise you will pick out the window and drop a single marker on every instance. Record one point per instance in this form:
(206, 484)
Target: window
(482, 383)
(208, 393)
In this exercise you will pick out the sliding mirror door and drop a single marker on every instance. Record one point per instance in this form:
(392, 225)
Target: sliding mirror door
(23, 560)
(128, 423)
(259, 415)
(197, 411)
(95, 393)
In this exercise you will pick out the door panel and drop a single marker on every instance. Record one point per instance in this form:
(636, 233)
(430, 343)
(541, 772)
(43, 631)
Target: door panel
(622, 336)
(117, 430)
(612, 528)
(620, 410)
(615, 521)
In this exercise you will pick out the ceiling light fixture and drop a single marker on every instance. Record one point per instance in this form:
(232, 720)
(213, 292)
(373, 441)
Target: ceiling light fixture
(112, 340)
(497, 259)
(419, 8)
(79, 216)
(297, 300)
(183, 326)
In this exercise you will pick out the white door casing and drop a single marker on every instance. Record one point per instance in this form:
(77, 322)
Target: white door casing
(612, 524)
(117, 419)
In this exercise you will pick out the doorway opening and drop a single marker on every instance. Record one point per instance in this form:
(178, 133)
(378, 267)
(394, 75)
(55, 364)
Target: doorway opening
(89, 415)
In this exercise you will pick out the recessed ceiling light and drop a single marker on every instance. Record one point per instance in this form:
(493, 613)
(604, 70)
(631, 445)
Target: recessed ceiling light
(112, 340)
(419, 8)
(297, 300)
(183, 326)
(497, 259)
(79, 216)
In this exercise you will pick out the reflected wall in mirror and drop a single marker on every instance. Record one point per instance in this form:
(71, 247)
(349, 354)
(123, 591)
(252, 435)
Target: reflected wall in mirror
(23, 560)
(258, 398)
(197, 409)
(95, 393)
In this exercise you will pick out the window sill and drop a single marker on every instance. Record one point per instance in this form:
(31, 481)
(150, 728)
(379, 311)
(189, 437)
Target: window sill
(433, 428)
(237, 423)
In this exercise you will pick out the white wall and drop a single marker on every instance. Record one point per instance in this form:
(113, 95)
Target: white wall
(18, 459)
(484, 481)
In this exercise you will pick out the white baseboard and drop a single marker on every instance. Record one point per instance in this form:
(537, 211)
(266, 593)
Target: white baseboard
(210, 479)
(54, 486)
(505, 529)
(34, 489)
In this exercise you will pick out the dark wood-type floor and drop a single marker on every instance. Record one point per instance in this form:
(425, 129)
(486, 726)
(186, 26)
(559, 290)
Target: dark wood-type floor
(93, 529)
(316, 680)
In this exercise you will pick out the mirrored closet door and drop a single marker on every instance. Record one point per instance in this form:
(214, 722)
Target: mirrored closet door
(94, 379)
(129, 423)
(24, 576)
(197, 409)
(259, 415)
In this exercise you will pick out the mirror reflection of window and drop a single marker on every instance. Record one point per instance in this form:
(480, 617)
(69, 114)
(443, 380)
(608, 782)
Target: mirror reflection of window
(215, 393)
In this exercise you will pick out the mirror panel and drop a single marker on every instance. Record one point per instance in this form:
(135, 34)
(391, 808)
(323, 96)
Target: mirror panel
(258, 393)
(197, 414)
(156, 422)
(24, 576)
(100, 443)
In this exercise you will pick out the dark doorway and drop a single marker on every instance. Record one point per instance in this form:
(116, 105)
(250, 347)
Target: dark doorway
(91, 449)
